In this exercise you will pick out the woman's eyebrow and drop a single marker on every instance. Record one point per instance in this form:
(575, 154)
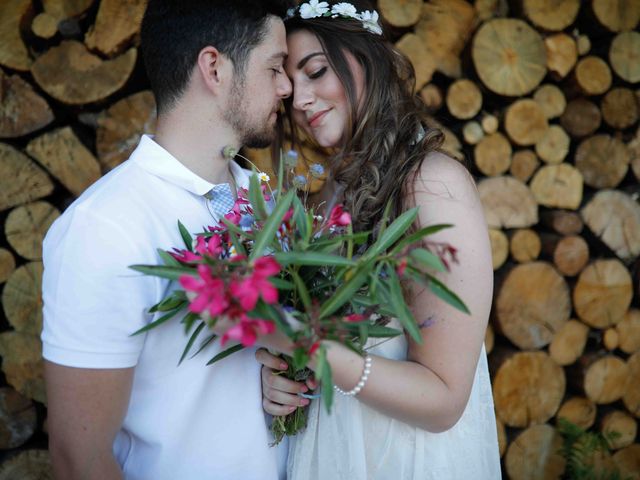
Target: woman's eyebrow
(304, 61)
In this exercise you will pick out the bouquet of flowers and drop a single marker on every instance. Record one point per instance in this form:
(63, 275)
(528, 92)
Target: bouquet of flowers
(272, 263)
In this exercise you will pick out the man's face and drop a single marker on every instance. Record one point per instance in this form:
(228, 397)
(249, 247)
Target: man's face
(255, 97)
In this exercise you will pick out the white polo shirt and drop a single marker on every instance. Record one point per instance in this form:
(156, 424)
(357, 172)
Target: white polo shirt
(187, 422)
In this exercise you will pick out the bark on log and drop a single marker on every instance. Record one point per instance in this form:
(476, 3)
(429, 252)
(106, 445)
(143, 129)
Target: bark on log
(492, 155)
(552, 15)
(22, 364)
(464, 99)
(624, 56)
(524, 163)
(21, 180)
(629, 331)
(562, 54)
(507, 203)
(620, 108)
(400, 14)
(553, 147)
(72, 75)
(551, 100)
(623, 425)
(122, 125)
(617, 15)
(532, 304)
(18, 418)
(424, 63)
(118, 21)
(558, 186)
(603, 161)
(580, 411)
(22, 110)
(509, 56)
(581, 117)
(603, 293)
(620, 232)
(13, 52)
(528, 389)
(605, 380)
(631, 397)
(562, 221)
(7, 264)
(593, 75)
(27, 465)
(499, 247)
(535, 454)
(445, 26)
(22, 299)
(525, 122)
(472, 132)
(628, 461)
(26, 227)
(525, 245)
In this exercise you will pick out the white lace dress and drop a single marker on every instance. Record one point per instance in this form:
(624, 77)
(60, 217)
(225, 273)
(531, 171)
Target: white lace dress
(356, 442)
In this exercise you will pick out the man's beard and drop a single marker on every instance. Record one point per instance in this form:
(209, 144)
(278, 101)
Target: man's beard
(251, 135)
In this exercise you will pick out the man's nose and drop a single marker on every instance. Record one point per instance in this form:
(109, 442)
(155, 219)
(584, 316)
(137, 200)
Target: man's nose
(285, 88)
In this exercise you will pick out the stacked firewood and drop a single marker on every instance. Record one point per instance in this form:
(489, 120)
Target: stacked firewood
(541, 98)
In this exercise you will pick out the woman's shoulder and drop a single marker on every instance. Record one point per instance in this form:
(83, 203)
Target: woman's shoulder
(441, 175)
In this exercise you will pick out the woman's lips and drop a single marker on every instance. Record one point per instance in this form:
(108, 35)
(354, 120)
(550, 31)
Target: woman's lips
(315, 119)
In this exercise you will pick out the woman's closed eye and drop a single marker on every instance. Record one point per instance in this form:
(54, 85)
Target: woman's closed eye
(318, 73)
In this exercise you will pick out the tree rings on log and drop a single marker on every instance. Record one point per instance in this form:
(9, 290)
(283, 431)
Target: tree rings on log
(569, 342)
(21, 180)
(593, 75)
(605, 380)
(122, 125)
(22, 364)
(553, 147)
(525, 122)
(603, 293)
(618, 15)
(472, 132)
(44, 26)
(571, 255)
(492, 155)
(581, 117)
(509, 56)
(7, 264)
(624, 56)
(534, 454)
(525, 245)
(563, 222)
(72, 75)
(620, 108)
(528, 389)
(117, 23)
(624, 426)
(13, 52)
(66, 158)
(628, 461)
(558, 186)
(464, 99)
(524, 163)
(507, 203)
(499, 247)
(401, 14)
(27, 465)
(26, 227)
(551, 15)
(603, 161)
(22, 299)
(532, 304)
(422, 60)
(629, 331)
(631, 397)
(22, 110)
(580, 411)
(562, 54)
(18, 419)
(620, 232)
(551, 100)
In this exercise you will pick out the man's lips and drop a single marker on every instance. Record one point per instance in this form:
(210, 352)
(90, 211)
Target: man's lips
(315, 119)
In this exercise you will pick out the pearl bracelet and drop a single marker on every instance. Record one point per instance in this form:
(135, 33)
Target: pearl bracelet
(363, 379)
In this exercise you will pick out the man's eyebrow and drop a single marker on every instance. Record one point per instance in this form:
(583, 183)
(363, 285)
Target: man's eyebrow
(304, 61)
(278, 55)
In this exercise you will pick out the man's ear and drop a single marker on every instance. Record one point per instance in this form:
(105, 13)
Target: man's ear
(214, 69)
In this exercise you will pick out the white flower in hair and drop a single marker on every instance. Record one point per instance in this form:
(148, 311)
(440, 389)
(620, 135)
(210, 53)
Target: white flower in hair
(290, 13)
(370, 21)
(313, 9)
(344, 9)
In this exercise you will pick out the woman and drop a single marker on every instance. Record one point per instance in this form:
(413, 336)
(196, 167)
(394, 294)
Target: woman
(422, 411)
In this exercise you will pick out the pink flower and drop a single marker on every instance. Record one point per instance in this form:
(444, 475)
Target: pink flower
(212, 247)
(185, 256)
(246, 331)
(257, 284)
(355, 318)
(210, 292)
(288, 215)
(266, 266)
(339, 217)
(314, 348)
(233, 217)
(402, 266)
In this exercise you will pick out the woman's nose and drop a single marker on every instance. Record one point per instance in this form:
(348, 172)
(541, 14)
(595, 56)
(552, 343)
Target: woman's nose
(302, 98)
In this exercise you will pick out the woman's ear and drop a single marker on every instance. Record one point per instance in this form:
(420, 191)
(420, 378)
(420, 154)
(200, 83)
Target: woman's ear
(213, 68)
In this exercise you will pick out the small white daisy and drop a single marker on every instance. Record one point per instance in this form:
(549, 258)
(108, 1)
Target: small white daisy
(344, 9)
(313, 9)
(263, 177)
(232, 251)
(370, 21)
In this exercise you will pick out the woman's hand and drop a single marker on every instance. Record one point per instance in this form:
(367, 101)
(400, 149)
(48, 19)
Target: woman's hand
(279, 394)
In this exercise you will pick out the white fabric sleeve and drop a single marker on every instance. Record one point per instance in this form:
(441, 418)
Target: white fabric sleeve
(92, 301)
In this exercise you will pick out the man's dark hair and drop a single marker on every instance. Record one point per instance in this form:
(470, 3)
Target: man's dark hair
(173, 32)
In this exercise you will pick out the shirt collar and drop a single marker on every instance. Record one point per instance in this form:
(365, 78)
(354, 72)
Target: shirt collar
(156, 160)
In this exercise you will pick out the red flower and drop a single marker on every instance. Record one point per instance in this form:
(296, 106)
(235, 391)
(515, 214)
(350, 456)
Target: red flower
(210, 292)
(212, 247)
(314, 348)
(246, 331)
(233, 217)
(339, 217)
(287, 215)
(257, 284)
(185, 256)
(355, 318)
(266, 266)
(402, 266)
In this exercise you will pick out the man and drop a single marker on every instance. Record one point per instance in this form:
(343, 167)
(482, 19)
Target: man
(119, 406)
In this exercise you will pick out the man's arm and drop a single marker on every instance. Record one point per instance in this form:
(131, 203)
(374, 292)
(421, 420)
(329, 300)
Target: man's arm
(86, 409)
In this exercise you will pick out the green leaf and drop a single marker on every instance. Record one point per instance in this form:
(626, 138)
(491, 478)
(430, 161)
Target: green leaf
(188, 321)
(399, 305)
(225, 353)
(441, 290)
(363, 332)
(235, 229)
(280, 176)
(347, 290)
(162, 271)
(313, 259)
(186, 236)
(269, 312)
(393, 232)
(323, 372)
(268, 232)
(156, 323)
(191, 340)
(256, 198)
(301, 221)
(300, 358)
(419, 235)
(385, 217)
(204, 343)
(428, 259)
(281, 284)
(168, 259)
(377, 331)
(176, 300)
(302, 290)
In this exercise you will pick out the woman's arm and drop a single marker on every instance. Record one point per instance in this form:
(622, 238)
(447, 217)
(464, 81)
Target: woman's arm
(431, 388)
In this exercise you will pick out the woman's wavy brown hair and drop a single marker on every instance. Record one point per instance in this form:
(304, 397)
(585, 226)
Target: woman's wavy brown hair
(380, 150)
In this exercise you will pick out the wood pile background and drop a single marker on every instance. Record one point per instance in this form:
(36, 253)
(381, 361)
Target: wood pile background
(540, 97)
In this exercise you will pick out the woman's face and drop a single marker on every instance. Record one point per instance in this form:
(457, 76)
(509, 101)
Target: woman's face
(320, 104)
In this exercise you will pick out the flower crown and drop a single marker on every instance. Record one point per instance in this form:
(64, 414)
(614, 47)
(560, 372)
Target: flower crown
(318, 9)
